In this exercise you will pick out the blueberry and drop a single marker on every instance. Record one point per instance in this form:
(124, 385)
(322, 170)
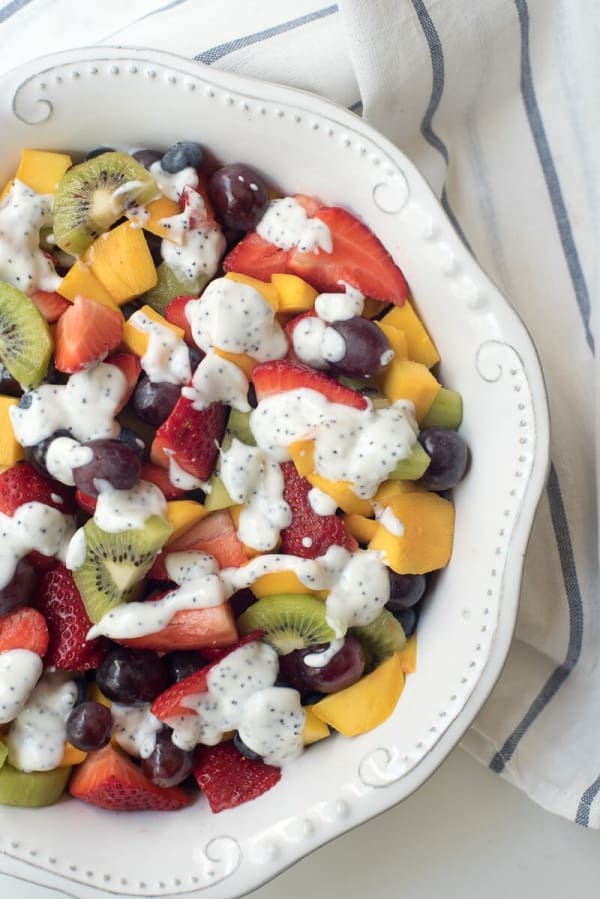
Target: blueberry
(133, 440)
(408, 620)
(37, 453)
(245, 750)
(25, 401)
(181, 155)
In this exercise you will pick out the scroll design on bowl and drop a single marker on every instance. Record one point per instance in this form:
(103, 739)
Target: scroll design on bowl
(494, 357)
(220, 858)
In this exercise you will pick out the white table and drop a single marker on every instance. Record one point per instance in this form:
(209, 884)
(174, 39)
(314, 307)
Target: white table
(465, 835)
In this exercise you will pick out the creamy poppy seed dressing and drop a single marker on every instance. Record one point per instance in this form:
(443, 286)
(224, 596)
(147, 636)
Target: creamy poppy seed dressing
(122, 510)
(135, 728)
(20, 670)
(85, 406)
(216, 380)
(254, 480)
(199, 587)
(32, 526)
(358, 445)
(321, 502)
(63, 455)
(36, 739)
(235, 317)
(335, 307)
(199, 254)
(172, 185)
(167, 357)
(286, 224)
(240, 695)
(22, 263)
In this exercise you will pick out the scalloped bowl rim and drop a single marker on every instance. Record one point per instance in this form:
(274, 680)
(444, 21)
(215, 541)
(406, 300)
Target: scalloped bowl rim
(487, 355)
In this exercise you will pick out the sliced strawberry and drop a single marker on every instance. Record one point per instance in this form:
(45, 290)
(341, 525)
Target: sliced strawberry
(25, 628)
(270, 378)
(24, 484)
(59, 600)
(171, 702)
(191, 437)
(86, 502)
(131, 367)
(198, 206)
(309, 535)
(50, 304)
(256, 257)
(358, 258)
(111, 780)
(160, 477)
(191, 629)
(216, 535)
(228, 779)
(85, 334)
(311, 205)
(175, 313)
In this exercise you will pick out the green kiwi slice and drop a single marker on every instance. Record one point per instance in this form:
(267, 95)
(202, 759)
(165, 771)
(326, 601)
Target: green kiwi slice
(288, 620)
(25, 340)
(115, 564)
(170, 286)
(91, 197)
(238, 425)
(381, 638)
(412, 467)
(446, 411)
(32, 789)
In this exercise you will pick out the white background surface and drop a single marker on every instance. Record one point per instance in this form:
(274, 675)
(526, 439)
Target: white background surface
(465, 834)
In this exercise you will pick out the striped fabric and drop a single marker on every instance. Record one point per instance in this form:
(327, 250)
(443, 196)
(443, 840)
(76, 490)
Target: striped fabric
(493, 101)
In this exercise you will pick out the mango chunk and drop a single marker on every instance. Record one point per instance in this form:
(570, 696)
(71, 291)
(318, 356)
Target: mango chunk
(10, 450)
(181, 515)
(80, 281)
(408, 655)
(314, 729)
(372, 307)
(295, 294)
(420, 346)
(242, 360)
(407, 380)
(121, 260)
(303, 454)
(136, 341)
(41, 170)
(396, 338)
(341, 493)
(157, 210)
(425, 545)
(367, 703)
(72, 756)
(389, 490)
(362, 528)
(7, 187)
(278, 582)
(267, 291)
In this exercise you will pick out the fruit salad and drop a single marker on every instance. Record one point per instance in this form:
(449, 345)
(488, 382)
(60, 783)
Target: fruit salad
(225, 459)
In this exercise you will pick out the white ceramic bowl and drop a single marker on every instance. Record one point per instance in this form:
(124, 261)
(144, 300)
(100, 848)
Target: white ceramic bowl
(80, 99)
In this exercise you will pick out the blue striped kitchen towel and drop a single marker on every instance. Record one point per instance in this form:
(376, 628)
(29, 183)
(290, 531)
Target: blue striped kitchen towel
(497, 104)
